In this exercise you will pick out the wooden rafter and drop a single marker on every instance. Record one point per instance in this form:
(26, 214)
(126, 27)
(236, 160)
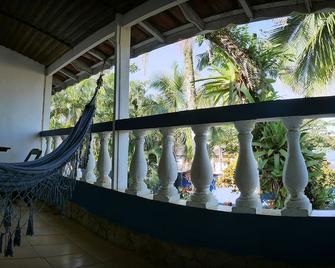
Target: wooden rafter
(192, 16)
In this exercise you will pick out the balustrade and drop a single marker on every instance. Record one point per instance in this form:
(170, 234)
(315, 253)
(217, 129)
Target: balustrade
(167, 169)
(104, 163)
(138, 167)
(246, 173)
(201, 171)
(88, 174)
(295, 173)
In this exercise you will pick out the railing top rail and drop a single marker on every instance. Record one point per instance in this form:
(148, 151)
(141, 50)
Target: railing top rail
(263, 111)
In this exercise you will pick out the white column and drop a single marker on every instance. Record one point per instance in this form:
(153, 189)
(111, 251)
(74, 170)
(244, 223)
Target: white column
(121, 109)
(167, 169)
(246, 173)
(104, 161)
(48, 148)
(138, 167)
(57, 141)
(88, 174)
(201, 171)
(295, 174)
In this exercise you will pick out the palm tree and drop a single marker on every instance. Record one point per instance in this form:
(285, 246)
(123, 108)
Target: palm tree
(171, 90)
(311, 38)
(190, 91)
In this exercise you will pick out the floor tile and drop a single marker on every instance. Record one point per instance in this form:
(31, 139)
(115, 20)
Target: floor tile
(21, 252)
(53, 239)
(24, 263)
(72, 261)
(56, 250)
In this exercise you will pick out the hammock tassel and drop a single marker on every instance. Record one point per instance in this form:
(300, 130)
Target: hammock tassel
(7, 219)
(1, 241)
(30, 227)
(17, 236)
(9, 249)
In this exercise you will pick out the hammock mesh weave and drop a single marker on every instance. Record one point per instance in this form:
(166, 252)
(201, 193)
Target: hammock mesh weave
(23, 183)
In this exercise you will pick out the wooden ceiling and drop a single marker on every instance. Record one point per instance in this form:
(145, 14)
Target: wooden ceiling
(44, 30)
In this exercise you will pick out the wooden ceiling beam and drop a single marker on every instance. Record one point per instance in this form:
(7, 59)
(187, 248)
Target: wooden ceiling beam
(152, 30)
(82, 66)
(99, 55)
(247, 8)
(69, 74)
(192, 16)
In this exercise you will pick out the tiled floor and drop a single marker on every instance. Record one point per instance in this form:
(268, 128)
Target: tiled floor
(59, 242)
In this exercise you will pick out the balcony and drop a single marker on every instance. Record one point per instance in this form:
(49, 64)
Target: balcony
(57, 45)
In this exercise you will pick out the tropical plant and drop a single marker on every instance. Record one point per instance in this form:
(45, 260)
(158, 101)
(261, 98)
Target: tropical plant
(311, 38)
(244, 67)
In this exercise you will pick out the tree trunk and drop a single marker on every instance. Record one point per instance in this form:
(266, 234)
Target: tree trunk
(190, 92)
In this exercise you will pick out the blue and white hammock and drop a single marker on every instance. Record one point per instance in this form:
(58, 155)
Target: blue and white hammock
(41, 179)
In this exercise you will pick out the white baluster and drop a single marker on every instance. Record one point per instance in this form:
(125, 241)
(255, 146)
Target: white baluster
(48, 148)
(138, 167)
(167, 169)
(88, 175)
(67, 169)
(201, 171)
(295, 174)
(246, 173)
(57, 141)
(104, 161)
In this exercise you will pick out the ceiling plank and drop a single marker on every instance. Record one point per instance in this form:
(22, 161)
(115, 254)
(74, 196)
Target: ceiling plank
(247, 9)
(28, 24)
(152, 30)
(192, 16)
(147, 10)
(87, 44)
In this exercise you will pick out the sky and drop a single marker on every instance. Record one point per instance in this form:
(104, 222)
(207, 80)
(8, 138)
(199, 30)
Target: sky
(160, 61)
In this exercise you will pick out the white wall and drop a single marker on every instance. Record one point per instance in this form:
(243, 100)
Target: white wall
(22, 91)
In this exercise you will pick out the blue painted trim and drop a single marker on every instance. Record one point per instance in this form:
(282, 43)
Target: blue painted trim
(283, 238)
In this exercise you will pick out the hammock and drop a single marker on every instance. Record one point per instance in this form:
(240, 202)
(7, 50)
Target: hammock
(42, 179)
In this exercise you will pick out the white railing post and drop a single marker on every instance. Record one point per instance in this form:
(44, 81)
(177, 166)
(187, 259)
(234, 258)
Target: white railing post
(167, 169)
(48, 148)
(88, 174)
(138, 167)
(246, 173)
(57, 141)
(201, 171)
(104, 161)
(295, 173)
(121, 105)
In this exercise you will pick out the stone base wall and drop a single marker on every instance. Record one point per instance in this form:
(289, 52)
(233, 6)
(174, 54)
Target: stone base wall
(161, 253)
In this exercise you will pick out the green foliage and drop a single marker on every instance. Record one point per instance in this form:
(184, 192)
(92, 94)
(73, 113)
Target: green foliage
(311, 38)
(225, 85)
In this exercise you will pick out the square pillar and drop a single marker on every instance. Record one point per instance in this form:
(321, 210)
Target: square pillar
(121, 106)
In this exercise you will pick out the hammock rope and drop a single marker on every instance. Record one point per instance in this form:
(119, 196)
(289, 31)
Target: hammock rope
(23, 183)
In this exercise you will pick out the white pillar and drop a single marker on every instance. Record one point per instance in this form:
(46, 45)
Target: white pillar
(167, 169)
(88, 174)
(57, 141)
(104, 161)
(295, 174)
(121, 103)
(201, 171)
(246, 173)
(138, 167)
(48, 148)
